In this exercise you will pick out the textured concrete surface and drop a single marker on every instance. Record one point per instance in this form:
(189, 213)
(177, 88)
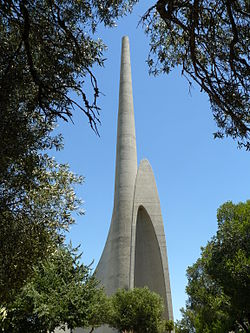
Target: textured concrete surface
(114, 265)
(149, 265)
(135, 253)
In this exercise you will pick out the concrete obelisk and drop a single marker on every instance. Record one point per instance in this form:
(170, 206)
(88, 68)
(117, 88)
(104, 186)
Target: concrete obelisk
(114, 265)
(135, 253)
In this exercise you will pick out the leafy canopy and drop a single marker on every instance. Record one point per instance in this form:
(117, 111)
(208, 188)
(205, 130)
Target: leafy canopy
(37, 198)
(209, 40)
(138, 310)
(218, 283)
(47, 52)
(227, 257)
(61, 292)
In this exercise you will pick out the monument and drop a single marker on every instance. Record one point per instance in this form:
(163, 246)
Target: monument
(135, 253)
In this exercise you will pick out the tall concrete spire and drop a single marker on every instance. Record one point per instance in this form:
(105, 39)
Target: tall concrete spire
(114, 265)
(126, 157)
(135, 253)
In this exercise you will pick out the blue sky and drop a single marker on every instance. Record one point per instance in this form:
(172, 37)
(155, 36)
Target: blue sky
(195, 174)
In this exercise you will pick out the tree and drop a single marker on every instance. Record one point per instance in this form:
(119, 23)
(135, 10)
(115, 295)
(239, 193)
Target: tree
(138, 310)
(218, 283)
(47, 52)
(36, 201)
(227, 258)
(210, 41)
(61, 292)
(207, 308)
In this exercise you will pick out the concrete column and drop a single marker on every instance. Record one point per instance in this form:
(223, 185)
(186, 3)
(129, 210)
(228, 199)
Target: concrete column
(113, 268)
(126, 157)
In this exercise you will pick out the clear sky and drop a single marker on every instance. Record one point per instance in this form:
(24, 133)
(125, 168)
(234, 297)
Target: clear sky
(194, 173)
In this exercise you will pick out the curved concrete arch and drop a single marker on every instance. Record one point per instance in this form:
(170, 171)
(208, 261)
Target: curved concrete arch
(135, 253)
(148, 270)
(146, 196)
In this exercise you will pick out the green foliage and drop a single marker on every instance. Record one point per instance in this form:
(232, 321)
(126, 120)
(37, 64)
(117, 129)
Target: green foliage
(36, 200)
(48, 49)
(169, 325)
(209, 40)
(227, 257)
(218, 283)
(207, 308)
(138, 310)
(61, 292)
(186, 324)
(47, 52)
